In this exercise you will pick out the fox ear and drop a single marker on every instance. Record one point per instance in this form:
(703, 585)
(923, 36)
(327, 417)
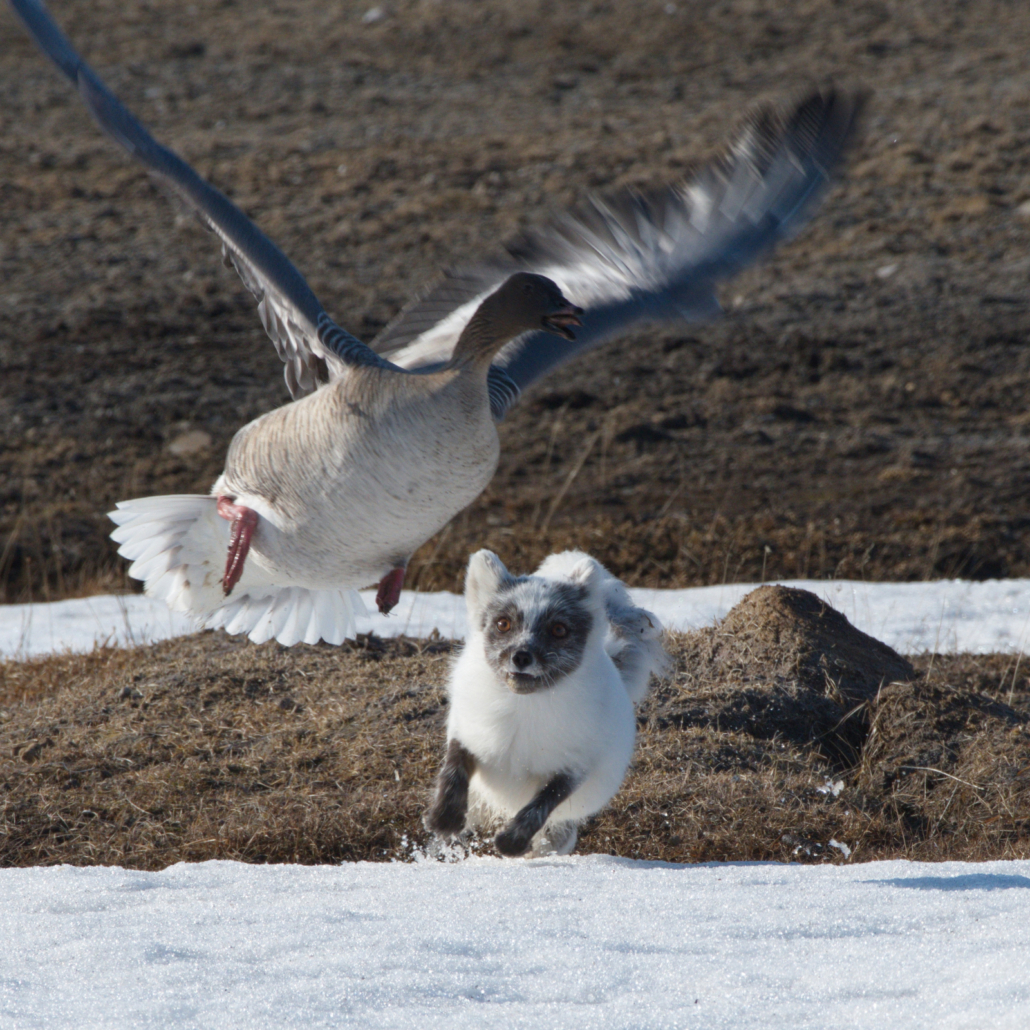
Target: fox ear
(588, 573)
(485, 576)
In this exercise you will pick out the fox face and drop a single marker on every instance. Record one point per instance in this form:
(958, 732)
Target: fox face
(534, 631)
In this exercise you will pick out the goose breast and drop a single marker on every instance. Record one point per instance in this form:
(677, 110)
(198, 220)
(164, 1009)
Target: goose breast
(352, 479)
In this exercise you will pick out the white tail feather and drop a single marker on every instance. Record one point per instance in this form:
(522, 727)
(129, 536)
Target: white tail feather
(178, 547)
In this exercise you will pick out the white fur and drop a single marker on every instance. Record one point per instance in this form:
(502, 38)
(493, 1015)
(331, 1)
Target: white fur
(634, 635)
(584, 724)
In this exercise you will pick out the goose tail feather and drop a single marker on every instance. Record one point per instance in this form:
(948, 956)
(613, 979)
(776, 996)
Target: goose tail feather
(178, 545)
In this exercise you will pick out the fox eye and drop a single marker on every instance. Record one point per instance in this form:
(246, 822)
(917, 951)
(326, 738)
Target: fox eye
(503, 624)
(559, 630)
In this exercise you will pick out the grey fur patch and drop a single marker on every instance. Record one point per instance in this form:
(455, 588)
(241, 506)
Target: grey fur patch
(517, 836)
(446, 815)
(548, 626)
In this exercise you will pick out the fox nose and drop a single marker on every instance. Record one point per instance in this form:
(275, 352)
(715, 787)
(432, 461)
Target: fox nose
(521, 659)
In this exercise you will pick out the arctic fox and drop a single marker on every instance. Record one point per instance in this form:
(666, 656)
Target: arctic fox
(541, 725)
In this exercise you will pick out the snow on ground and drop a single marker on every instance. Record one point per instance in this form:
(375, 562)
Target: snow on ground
(944, 616)
(585, 942)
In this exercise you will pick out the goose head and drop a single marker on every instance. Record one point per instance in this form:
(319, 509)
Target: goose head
(524, 302)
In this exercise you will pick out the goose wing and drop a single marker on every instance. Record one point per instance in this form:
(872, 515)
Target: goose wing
(313, 348)
(634, 257)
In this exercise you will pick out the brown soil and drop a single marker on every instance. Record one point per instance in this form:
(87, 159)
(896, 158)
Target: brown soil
(782, 729)
(861, 412)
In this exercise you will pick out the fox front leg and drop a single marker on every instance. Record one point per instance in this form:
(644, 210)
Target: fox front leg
(517, 836)
(446, 815)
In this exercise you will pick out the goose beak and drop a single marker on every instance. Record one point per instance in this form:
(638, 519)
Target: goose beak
(560, 320)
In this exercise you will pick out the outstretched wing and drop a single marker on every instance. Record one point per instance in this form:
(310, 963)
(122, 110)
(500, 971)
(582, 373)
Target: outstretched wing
(634, 257)
(313, 348)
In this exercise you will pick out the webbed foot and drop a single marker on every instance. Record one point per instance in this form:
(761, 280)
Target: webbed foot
(243, 521)
(389, 592)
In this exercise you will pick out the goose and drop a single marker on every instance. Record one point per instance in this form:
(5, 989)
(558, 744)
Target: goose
(339, 487)
(383, 443)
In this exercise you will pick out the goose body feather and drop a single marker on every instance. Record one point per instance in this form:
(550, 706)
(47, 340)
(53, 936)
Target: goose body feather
(349, 481)
(346, 482)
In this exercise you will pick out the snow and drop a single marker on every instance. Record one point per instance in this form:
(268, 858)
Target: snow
(942, 617)
(577, 942)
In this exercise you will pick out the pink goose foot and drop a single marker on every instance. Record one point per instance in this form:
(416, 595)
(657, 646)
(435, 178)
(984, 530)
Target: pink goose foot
(243, 523)
(389, 592)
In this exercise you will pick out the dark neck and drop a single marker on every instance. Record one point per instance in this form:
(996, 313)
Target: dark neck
(483, 337)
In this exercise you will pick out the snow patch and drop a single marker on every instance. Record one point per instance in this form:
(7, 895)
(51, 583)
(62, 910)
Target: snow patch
(579, 942)
(947, 616)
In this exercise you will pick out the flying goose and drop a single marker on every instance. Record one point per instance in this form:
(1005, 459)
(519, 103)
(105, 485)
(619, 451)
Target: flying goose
(338, 488)
(383, 444)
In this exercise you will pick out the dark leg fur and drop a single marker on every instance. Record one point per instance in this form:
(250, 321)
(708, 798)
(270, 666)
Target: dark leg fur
(446, 815)
(517, 836)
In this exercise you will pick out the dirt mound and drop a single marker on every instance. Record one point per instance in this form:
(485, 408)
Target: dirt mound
(783, 732)
(784, 664)
(794, 629)
(958, 758)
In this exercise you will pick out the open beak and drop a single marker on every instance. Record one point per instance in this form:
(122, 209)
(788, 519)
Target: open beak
(560, 320)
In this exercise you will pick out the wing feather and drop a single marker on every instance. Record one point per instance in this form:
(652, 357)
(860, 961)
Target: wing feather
(312, 347)
(648, 256)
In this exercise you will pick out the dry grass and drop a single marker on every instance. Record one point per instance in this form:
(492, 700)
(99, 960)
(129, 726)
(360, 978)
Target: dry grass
(209, 747)
(785, 728)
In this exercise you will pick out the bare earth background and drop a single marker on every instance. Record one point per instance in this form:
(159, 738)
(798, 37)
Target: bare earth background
(860, 412)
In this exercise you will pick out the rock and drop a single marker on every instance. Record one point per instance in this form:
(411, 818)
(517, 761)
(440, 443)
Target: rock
(186, 444)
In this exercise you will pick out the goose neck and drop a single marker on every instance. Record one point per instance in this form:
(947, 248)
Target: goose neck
(480, 341)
